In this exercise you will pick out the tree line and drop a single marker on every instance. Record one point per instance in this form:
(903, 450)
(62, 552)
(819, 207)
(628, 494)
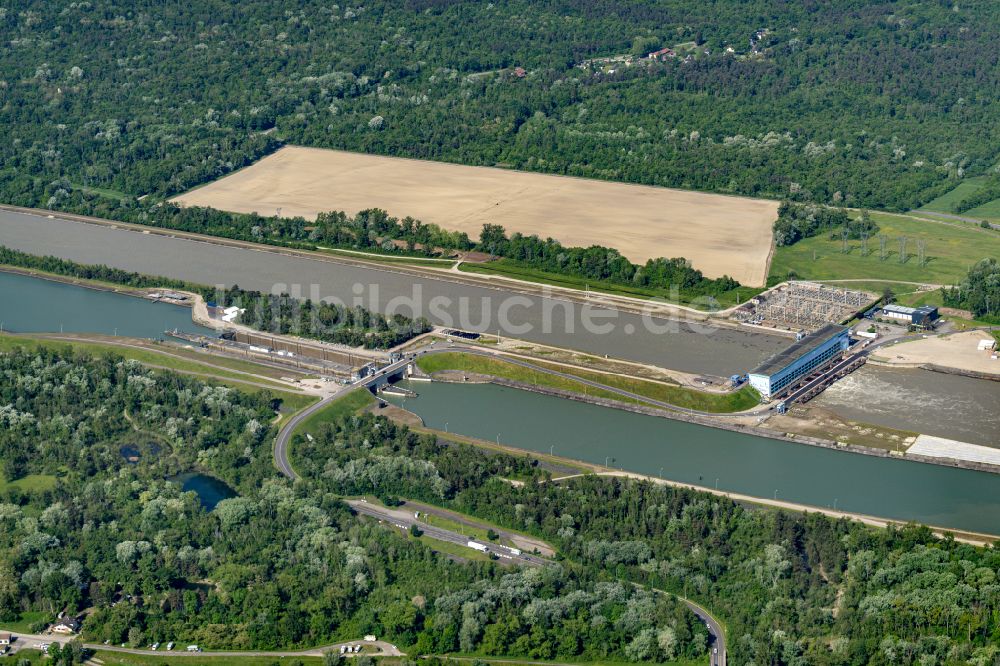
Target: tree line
(271, 313)
(985, 193)
(798, 221)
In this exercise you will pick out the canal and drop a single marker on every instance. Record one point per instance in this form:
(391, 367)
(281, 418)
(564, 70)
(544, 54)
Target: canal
(553, 321)
(710, 457)
(33, 305)
(675, 450)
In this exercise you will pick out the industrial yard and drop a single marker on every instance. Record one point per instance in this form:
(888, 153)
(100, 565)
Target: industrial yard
(802, 306)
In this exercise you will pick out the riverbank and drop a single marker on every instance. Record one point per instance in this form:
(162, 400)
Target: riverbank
(198, 306)
(96, 285)
(749, 426)
(650, 306)
(957, 353)
(413, 420)
(642, 333)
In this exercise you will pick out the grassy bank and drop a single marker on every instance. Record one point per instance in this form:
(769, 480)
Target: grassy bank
(945, 202)
(505, 268)
(390, 258)
(346, 404)
(680, 396)
(488, 366)
(950, 250)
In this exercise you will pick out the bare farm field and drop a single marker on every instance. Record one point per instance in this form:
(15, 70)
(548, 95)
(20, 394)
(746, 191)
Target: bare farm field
(721, 235)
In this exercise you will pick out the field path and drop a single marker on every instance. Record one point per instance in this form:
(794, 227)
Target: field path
(719, 234)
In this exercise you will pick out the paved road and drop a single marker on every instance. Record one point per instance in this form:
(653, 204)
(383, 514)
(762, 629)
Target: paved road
(281, 443)
(284, 437)
(949, 216)
(404, 521)
(718, 644)
(28, 641)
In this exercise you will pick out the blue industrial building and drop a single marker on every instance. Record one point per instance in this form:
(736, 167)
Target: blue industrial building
(802, 357)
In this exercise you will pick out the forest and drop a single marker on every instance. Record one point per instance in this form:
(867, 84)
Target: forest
(883, 104)
(284, 564)
(277, 566)
(792, 589)
(272, 313)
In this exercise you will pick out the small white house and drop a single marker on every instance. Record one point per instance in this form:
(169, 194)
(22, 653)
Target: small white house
(67, 625)
(987, 345)
(231, 313)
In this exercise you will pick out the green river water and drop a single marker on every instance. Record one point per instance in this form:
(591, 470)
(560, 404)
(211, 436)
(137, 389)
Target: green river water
(710, 457)
(34, 305)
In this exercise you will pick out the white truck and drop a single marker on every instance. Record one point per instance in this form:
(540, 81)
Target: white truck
(475, 545)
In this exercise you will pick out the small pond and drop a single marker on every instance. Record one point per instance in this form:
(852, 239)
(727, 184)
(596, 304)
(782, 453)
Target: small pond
(210, 490)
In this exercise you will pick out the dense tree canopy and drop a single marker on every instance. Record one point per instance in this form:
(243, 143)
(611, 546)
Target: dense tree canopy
(882, 104)
(281, 564)
(278, 565)
(793, 589)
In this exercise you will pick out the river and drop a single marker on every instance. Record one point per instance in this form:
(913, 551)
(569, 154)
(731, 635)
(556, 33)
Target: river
(731, 461)
(33, 305)
(686, 452)
(553, 321)
(928, 402)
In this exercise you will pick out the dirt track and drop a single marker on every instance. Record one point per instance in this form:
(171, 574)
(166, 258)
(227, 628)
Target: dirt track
(719, 234)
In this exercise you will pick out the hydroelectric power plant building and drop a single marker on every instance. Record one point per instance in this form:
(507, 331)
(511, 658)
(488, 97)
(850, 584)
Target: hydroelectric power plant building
(801, 358)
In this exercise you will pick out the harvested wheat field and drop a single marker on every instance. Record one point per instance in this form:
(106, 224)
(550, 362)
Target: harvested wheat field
(721, 235)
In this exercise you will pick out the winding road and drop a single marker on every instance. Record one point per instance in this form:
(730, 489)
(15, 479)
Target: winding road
(284, 437)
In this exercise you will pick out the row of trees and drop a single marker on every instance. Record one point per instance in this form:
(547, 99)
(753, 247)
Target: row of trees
(353, 326)
(376, 231)
(985, 193)
(271, 313)
(600, 264)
